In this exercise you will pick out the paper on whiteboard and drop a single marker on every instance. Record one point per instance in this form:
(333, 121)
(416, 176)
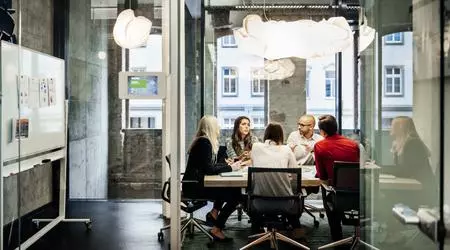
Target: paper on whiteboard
(23, 91)
(43, 92)
(33, 100)
(51, 92)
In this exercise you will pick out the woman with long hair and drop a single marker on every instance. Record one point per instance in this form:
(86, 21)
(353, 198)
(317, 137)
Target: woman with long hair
(412, 158)
(203, 161)
(241, 141)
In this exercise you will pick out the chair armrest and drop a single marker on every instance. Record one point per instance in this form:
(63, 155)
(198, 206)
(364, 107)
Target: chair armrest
(303, 192)
(327, 188)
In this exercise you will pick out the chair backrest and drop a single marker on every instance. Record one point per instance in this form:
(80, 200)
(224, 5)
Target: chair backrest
(347, 185)
(346, 176)
(258, 203)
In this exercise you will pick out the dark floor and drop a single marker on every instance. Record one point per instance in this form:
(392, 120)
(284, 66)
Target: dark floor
(133, 225)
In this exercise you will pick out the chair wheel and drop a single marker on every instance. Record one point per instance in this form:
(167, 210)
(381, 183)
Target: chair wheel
(160, 237)
(316, 223)
(321, 215)
(88, 225)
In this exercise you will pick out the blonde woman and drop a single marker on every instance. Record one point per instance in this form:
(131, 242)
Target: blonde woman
(411, 158)
(203, 161)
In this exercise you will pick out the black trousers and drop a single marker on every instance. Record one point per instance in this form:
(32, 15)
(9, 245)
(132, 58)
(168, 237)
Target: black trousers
(334, 217)
(225, 201)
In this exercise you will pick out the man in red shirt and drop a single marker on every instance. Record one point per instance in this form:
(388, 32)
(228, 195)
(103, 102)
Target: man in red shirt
(333, 148)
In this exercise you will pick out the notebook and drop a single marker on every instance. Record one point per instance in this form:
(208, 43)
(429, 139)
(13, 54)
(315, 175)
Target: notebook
(232, 174)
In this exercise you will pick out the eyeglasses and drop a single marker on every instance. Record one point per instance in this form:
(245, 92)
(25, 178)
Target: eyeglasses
(304, 125)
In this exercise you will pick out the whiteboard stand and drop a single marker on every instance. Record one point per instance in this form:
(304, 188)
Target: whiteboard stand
(62, 201)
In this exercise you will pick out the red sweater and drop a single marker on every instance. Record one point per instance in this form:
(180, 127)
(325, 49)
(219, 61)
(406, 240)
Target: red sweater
(331, 149)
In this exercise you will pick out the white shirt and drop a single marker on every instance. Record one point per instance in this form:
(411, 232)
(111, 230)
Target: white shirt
(295, 138)
(270, 155)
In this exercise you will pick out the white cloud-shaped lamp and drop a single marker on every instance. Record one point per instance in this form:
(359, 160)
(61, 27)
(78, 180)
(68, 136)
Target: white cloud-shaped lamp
(302, 38)
(131, 31)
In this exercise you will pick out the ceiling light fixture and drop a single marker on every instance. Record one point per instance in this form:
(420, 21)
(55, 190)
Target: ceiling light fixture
(302, 38)
(130, 31)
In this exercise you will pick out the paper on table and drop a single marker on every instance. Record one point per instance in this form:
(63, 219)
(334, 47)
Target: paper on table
(387, 176)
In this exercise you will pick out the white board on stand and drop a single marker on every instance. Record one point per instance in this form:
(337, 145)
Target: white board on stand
(37, 87)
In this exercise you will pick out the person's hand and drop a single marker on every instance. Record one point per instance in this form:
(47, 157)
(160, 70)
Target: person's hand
(293, 146)
(236, 165)
(244, 155)
(229, 161)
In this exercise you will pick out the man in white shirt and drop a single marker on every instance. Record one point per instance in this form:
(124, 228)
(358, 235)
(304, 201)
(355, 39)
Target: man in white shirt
(302, 141)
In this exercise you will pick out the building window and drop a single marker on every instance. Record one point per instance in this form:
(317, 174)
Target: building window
(308, 73)
(258, 122)
(258, 84)
(142, 122)
(228, 42)
(330, 80)
(229, 80)
(394, 38)
(393, 81)
(228, 123)
(151, 122)
(386, 123)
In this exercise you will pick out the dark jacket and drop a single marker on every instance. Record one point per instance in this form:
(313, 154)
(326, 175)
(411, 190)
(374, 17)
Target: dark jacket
(201, 162)
(414, 163)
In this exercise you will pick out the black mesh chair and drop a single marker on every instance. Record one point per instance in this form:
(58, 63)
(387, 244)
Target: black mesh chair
(271, 212)
(189, 206)
(346, 189)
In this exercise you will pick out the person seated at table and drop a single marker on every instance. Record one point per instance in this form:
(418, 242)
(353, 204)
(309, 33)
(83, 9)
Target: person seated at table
(333, 148)
(203, 161)
(412, 160)
(273, 154)
(303, 140)
(241, 141)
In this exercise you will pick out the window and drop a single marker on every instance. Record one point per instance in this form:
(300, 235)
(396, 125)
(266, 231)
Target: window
(386, 123)
(228, 123)
(258, 122)
(142, 122)
(330, 79)
(393, 81)
(228, 42)
(151, 122)
(229, 80)
(308, 73)
(394, 38)
(258, 84)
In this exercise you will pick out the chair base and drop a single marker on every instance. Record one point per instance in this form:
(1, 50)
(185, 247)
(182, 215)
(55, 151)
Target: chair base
(354, 241)
(274, 237)
(188, 224)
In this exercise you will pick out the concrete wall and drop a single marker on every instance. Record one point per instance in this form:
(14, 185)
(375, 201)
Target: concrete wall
(88, 103)
(287, 110)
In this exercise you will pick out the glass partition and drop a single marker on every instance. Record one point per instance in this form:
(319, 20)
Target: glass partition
(400, 118)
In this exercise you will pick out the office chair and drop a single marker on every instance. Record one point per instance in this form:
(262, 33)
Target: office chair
(346, 189)
(189, 206)
(273, 217)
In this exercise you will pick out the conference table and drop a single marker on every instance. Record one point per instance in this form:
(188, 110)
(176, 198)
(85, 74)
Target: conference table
(386, 182)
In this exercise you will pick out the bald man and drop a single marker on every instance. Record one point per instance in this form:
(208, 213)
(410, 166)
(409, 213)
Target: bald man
(303, 140)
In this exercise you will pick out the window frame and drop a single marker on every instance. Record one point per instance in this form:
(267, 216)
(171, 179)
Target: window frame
(262, 84)
(332, 84)
(225, 41)
(393, 76)
(236, 77)
(392, 41)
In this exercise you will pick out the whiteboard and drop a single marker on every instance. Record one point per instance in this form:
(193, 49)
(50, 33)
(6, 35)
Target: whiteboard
(45, 115)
